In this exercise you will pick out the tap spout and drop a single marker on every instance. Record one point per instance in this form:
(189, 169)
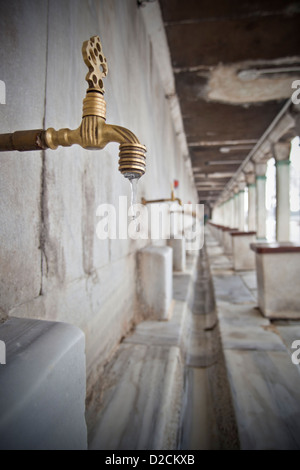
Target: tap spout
(178, 200)
(132, 161)
(171, 199)
(112, 133)
(94, 133)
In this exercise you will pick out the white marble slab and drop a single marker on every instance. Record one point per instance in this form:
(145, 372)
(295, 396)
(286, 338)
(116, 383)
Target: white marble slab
(221, 262)
(249, 279)
(266, 395)
(243, 256)
(265, 384)
(42, 386)
(162, 333)
(240, 314)
(278, 278)
(251, 337)
(221, 271)
(231, 289)
(181, 284)
(214, 250)
(141, 404)
(290, 333)
(155, 280)
(142, 400)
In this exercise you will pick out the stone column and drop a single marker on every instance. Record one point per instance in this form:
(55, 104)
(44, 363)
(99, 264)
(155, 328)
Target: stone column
(281, 152)
(231, 207)
(232, 211)
(223, 213)
(261, 212)
(250, 179)
(227, 213)
(214, 214)
(236, 207)
(218, 215)
(241, 202)
(241, 209)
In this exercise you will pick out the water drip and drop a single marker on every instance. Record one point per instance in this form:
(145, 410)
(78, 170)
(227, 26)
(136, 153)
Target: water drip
(133, 179)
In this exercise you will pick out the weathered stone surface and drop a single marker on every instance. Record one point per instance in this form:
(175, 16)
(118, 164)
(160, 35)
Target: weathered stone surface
(170, 333)
(148, 378)
(266, 388)
(155, 281)
(146, 358)
(181, 282)
(247, 336)
(243, 256)
(179, 253)
(42, 386)
(277, 284)
(249, 279)
(53, 266)
(240, 314)
(23, 38)
(232, 289)
(263, 380)
(290, 334)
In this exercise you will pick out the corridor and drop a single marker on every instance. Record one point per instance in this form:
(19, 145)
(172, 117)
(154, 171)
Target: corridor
(149, 225)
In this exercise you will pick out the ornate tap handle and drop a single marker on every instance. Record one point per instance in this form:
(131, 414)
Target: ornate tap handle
(96, 62)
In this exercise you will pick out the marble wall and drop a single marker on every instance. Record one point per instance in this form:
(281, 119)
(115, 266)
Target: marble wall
(53, 266)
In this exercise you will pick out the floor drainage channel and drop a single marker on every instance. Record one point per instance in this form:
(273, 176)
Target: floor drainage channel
(208, 420)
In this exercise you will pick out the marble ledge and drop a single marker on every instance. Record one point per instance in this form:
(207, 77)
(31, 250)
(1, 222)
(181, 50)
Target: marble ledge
(142, 400)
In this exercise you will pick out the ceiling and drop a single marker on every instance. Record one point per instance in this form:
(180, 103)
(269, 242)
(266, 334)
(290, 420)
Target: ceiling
(233, 62)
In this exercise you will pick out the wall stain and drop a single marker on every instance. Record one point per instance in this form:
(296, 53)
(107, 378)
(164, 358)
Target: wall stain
(88, 220)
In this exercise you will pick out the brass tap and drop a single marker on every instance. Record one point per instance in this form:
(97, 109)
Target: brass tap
(171, 199)
(186, 213)
(93, 132)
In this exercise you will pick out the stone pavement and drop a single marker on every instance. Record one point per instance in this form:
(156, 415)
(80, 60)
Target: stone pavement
(216, 375)
(140, 395)
(166, 386)
(264, 383)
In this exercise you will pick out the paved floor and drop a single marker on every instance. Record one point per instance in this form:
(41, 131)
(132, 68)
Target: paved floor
(140, 396)
(216, 375)
(166, 387)
(264, 383)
